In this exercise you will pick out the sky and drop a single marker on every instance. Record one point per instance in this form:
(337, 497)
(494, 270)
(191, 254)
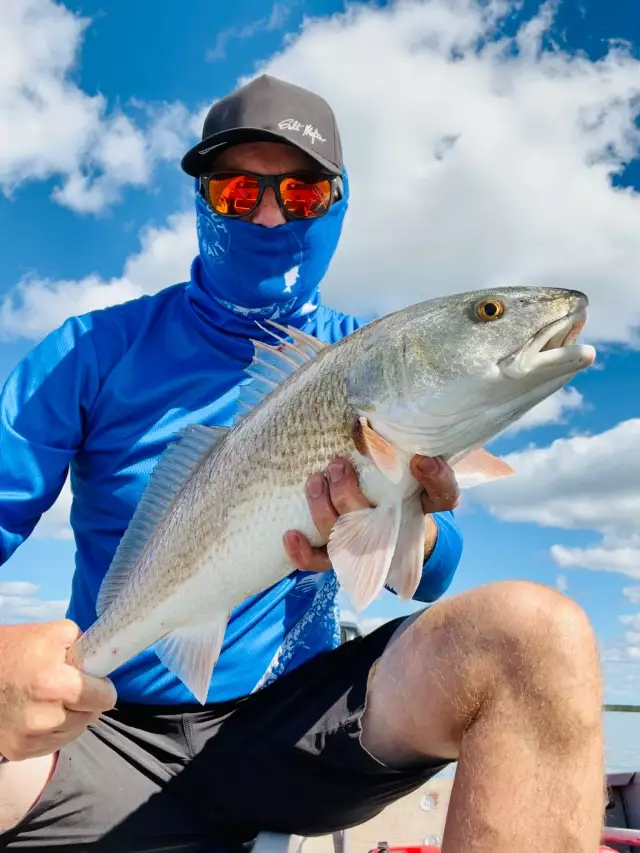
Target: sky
(487, 144)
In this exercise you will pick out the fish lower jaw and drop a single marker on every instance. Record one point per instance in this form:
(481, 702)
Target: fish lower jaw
(556, 363)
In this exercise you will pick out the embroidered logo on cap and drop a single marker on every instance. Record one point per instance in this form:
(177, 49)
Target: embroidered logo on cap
(305, 129)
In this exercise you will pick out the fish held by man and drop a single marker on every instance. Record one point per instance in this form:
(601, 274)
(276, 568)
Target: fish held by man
(439, 378)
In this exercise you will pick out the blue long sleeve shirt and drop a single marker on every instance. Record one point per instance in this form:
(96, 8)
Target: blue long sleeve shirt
(99, 399)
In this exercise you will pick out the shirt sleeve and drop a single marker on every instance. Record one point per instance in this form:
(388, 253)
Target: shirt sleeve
(438, 571)
(44, 405)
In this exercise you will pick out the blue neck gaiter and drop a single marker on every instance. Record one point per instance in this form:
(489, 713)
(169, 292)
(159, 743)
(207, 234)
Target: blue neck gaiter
(246, 273)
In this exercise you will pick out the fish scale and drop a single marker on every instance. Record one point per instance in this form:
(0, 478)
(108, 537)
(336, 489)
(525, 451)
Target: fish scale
(434, 378)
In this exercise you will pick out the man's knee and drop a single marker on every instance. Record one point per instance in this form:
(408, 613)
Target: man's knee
(531, 622)
(515, 635)
(514, 648)
(534, 646)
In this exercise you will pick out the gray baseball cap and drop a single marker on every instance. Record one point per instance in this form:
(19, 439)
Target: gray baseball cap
(268, 109)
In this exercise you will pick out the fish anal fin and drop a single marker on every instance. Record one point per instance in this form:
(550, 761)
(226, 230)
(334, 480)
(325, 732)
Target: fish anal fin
(173, 470)
(382, 454)
(191, 653)
(405, 572)
(361, 548)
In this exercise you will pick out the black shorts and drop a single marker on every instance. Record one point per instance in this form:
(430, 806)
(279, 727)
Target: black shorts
(286, 759)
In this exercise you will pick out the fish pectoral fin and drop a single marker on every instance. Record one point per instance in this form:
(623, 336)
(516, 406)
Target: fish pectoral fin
(479, 466)
(192, 652)
(405, 571)
(361, 548)
(383, 455)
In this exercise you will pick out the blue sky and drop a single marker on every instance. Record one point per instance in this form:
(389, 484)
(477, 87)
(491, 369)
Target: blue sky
(539, 186)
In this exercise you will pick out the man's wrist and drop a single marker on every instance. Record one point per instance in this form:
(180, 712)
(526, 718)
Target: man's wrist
(430, 536)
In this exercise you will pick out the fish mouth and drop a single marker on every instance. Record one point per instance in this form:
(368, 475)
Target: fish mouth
(553, 349)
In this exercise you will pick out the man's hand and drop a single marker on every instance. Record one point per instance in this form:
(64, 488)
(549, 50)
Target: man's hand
(44, 702)
(337, 492)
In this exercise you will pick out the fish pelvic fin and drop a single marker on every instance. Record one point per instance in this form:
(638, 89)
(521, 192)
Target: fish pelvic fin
(172, 472)
(192, 652)
(273, 364)
(479, 466)
(405, 571)
(361, 548)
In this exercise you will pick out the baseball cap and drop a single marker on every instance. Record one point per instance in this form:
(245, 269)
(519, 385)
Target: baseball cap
(268, 109)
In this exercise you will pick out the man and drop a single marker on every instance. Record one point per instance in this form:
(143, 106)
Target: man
(297, 735)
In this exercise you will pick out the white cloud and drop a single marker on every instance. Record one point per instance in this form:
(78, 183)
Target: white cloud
(562, 583)
(625, 561)
(586, 482)
(632, 634)
(475, 168)
(366, 624)
(54, 524)
(38, 305)
(49, 127)
(23, 588)
(632, 593)
(275, 20)
(19, 602)
(500, 163)
(553, 410)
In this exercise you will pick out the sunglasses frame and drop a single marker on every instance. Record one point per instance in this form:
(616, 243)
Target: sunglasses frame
(274, 181)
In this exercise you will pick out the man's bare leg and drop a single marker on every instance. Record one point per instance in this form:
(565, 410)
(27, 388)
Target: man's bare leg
(21, 784)
(505, 679)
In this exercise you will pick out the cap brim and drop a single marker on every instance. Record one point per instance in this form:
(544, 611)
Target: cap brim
(197, 160)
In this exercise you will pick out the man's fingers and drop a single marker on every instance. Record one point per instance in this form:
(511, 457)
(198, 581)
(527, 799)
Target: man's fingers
(439, 483)
(86, 693)
(344, 488)
(303, 555)
(328, 497)
(76, 722)
(322, 511)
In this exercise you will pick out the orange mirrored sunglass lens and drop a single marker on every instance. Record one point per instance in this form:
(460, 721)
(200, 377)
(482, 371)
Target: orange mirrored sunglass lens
(237, 195)
(304, 199)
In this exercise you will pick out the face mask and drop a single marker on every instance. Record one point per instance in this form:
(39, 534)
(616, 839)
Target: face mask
(257, 272)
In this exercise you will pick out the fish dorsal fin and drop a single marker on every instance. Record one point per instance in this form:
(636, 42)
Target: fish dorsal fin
(307, 344)
(272, 364)
(173, 470)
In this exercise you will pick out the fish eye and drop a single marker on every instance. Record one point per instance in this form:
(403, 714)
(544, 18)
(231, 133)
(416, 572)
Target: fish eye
(490, 309)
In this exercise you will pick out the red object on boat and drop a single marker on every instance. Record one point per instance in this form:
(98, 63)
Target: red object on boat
(412, 848)
(427, 848)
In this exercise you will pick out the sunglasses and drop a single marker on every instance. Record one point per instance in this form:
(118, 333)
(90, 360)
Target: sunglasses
(299, 195)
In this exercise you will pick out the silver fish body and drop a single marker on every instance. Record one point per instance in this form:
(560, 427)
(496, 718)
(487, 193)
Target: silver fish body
(439, 378)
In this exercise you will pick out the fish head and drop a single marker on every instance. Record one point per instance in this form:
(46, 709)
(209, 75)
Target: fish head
(526, 334)
(448, 374)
